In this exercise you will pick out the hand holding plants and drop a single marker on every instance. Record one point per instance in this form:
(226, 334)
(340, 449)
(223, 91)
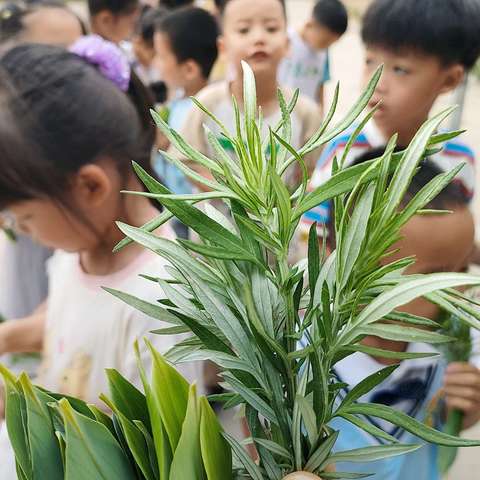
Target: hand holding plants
(462, 391)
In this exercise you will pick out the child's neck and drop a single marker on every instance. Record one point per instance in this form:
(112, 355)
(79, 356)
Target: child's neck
(194, 86)
(266, 85)
(136, 211)
(405, 132)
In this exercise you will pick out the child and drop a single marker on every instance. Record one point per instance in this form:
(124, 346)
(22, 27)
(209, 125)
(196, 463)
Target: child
(306, 67)
(142, 44)
(184, 57)
(439, 243)
(253, 31)
(426, 48)
(114, 20)
(43, 22)
(67, 196)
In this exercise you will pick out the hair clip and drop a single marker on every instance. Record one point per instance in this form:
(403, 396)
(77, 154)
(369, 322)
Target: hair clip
(106, 56)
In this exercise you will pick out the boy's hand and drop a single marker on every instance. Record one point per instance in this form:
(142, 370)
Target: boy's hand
(462, 391)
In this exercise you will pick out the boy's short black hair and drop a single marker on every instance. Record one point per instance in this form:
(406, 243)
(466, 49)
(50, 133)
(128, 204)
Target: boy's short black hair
(171, 4)
(193, 34)
(331, 14)
(453, 195)
(446, 29)
(146, 25)
(222, 4)
(117, 7)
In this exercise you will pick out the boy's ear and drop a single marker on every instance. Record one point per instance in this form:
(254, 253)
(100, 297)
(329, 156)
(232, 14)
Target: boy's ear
(454, 76)
(221, 45)
(191, 69)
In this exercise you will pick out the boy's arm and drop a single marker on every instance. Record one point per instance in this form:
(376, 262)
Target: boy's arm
(462, 391)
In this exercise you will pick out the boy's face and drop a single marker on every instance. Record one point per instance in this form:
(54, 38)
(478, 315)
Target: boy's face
(254, 31)
(440, 243)
(166, 62)
(318, 36)
(409, 85)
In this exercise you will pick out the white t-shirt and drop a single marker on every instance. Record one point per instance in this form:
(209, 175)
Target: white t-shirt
(89, 330)
(304, 67)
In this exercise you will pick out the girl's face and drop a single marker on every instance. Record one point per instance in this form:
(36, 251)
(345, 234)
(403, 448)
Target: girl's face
(94, 203)
(51, 225)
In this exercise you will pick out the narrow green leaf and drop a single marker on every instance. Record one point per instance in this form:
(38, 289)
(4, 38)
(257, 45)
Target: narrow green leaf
(241, 454)
(411, 425)
(371, 454)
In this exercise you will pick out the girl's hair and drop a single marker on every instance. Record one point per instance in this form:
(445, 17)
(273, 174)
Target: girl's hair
(12, 17)
(71, 116)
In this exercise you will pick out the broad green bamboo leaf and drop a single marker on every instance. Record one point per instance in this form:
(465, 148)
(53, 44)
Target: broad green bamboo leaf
(244, 458)
(163, 451)
(135, 440)
(187, 460)
(91, 450)
(371, 454)
(170, 391)
(126, 398)
(411, 425)
(216, 453)
(102, 417)
(150, 446)
(44, 449)
(16, 414)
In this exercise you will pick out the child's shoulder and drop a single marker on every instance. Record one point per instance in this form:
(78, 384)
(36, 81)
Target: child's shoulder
(457, 147)
(213, 93)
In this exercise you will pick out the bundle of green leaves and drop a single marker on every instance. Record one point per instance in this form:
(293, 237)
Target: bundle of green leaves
(246, 308)
(167, 433)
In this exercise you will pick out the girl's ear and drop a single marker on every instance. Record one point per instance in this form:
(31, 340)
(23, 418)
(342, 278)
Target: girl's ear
(454, 76)
(91, 186)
